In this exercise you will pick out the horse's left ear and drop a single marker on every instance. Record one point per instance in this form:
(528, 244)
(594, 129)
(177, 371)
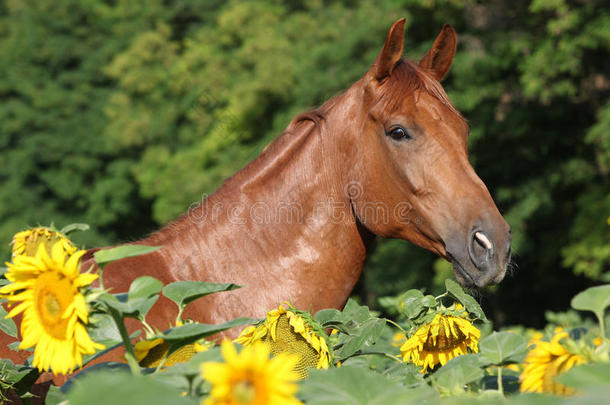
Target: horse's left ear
(439, 57)
(392, 50)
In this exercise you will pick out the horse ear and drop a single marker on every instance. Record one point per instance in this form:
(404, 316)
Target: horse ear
(392, 50)
(439, 57)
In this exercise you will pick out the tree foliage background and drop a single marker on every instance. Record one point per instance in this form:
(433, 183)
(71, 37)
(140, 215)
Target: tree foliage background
(122, 114)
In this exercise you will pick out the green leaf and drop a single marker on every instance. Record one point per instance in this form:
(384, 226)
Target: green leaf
(119, 387)
(471, 305)
(54, 396)
(458, 372)
(144, 287)
(194, 331)
(349, 385)
(586, 376)
(365, 335)
(595, 299)
(185, 292)
(503, 347)
(105, 256)
(7, 325)
(410, 303)
(348, 320)
(142, 295)
(134, 308)
(66, 230)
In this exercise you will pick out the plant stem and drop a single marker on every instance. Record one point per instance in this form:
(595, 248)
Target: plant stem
(602, 326)
(101, 278)
(130, 354)
(396, 358)
(179, 316)
(500, 385)
(395, 324)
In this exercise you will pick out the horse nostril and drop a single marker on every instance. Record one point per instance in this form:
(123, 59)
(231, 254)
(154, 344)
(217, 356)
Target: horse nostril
(483, 240)
(481, 250)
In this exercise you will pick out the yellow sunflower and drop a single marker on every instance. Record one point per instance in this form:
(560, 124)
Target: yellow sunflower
(150, 353)
(46, 290)
(440, 340)
(544, 362)
(288, 330)
(251, 378)
(26, 242)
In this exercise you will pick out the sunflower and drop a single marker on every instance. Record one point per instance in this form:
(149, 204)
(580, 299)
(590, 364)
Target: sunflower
(26, 242)
(46, 290)
(291, 331)
(150, 353)
(440, 340)
(544, 362)
(251, 378)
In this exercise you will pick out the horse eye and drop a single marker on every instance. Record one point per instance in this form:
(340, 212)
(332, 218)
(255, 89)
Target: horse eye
(398, 133)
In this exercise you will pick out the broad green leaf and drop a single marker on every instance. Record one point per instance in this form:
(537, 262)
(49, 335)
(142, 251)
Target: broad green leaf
(144, 287)
(54, 396)
(195, 331)
(429, 301)
(586, 376)
(105, 256)
(348, 320)
(410, 303)
(466, 300)
(135, 308)
(66, 230)
(120, 387)
(350, 385)
(595, 299)
(185, 292)
(503, 347)
(328, 317)
(458, 372)
(7, 325)
(365, 335)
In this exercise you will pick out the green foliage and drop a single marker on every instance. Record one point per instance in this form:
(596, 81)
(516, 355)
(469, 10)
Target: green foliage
(126, 388)
(7, 325)
(595, 299)
(355, 385)
(105, 256)
(502, 348)
(185, 292)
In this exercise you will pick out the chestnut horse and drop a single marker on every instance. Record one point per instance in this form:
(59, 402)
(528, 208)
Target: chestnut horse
(388, 158)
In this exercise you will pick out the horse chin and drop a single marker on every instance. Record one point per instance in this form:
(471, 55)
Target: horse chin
(462, 275)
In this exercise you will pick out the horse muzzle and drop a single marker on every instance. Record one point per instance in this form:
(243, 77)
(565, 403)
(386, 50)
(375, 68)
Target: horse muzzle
(483, 259)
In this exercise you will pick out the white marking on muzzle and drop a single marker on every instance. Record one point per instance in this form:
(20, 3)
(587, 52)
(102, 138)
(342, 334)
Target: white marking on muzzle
(483, 239)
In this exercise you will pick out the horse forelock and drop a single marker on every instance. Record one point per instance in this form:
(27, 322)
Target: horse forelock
(408, 77)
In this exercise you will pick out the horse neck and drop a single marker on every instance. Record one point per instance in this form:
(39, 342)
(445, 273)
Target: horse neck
(286, 208)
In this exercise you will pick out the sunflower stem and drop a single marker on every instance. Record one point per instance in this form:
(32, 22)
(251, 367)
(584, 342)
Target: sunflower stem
(500, 385)
(130, 354)
(100, 277)
(395, 324)
(602, 327)
(390, 356)
(179, 316)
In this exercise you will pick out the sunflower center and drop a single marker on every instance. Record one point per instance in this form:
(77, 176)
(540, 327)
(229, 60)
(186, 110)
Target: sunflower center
(444, 342)
(244, 392)
(289, 341)
(53, 294)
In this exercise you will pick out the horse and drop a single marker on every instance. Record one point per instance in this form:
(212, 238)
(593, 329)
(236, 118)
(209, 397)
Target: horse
(386, 158)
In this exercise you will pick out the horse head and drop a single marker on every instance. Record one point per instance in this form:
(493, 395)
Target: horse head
(409, 162)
